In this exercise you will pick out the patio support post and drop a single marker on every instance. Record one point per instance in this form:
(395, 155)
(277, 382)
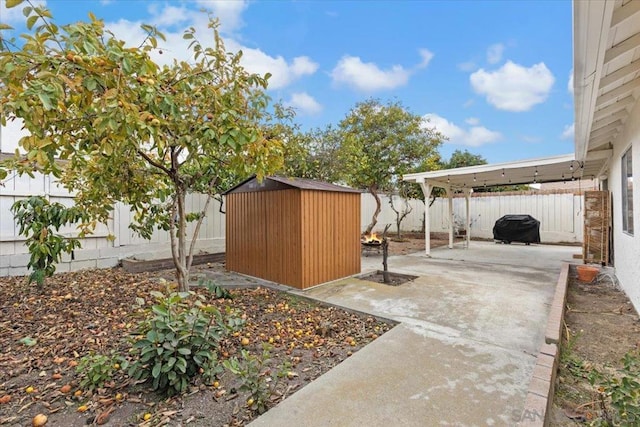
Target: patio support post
(426, 190)
(450, 200)
(467, 197)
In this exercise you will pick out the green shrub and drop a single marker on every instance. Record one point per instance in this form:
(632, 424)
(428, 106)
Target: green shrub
(254, 374)
(619, 393)
(216, 290)
(39, 220)
(178, 340)
(96, 369)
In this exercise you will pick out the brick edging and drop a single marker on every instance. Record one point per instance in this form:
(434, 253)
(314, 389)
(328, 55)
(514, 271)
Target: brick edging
(539, 400)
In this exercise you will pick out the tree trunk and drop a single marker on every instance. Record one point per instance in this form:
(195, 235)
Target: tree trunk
(385, 255)
(374, 220)
(182, 272)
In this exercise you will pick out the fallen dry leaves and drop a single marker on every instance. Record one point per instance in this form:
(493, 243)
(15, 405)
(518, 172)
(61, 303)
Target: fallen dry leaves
(44, 335)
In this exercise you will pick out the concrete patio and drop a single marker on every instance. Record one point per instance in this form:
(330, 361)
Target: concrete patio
(463, 354)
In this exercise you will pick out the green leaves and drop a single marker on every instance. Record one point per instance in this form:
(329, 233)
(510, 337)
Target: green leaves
(181, 336)
(97, 369)
(130, 130)
(28, 341)
(13, 3)
(39, 220)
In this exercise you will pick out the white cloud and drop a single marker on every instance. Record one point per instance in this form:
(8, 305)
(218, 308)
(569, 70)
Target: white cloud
(568, 132)
(467, 66)
(304, 103)
(168, 15)
(367, 76)
(283, 72)
(474, 136)
(14, 15)
(228, 11)
(303, 65)
(472, 121)
(513, 87)
(494, 53)
(468, 103)
(531, 139)
(570, 82)
(427, 56)
(172, 21)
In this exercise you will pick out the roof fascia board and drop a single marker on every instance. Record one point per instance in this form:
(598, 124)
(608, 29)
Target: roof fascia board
(591, 22)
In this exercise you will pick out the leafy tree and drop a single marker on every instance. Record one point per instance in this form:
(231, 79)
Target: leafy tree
(461, 159)
(112, 125)
(380, 143)
(405, 209)
(314, 155)
(39, 221)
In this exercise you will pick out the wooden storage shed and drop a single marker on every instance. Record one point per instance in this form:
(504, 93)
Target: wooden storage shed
(293, 231)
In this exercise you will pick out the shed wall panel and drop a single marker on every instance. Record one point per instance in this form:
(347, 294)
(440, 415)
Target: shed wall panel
(295, 237)
(331, 236)
(283, 242)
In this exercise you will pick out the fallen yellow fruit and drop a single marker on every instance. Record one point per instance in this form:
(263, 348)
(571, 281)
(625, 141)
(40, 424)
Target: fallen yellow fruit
(39, 420)
(83, 408)
(30, 389)
(146, 416)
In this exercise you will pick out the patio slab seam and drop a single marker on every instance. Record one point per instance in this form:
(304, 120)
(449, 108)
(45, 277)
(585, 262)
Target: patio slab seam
(537, 408)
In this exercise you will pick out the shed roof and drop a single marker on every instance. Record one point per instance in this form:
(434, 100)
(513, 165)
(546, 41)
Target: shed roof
(272, 183)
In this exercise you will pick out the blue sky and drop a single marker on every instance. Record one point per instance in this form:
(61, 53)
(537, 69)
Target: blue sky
(492, 76)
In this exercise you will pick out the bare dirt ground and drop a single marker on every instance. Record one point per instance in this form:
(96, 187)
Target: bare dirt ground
(44, 334)
(601, 327)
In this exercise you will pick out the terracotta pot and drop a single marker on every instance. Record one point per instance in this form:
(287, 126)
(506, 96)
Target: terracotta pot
(586, 273)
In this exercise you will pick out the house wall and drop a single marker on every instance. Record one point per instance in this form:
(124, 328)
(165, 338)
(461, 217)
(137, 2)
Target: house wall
(626, 248)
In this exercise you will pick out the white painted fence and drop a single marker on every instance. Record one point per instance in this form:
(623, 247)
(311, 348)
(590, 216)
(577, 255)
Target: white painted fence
(96, 250)
(560, 216)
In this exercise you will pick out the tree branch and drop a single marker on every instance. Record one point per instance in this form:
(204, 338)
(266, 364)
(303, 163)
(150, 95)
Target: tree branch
(153, 162)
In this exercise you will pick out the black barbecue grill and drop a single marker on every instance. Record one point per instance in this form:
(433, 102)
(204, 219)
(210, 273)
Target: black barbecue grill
(517, 228)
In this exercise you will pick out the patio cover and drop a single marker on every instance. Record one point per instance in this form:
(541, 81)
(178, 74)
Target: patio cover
(540, 170)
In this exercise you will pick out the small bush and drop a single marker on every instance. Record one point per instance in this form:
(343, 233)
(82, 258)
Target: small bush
(217, 291)
(255, 377)
(619, 393)
(178, 340)
(97, 369)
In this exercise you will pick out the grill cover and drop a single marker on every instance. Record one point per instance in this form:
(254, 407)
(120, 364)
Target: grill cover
(517, 228)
